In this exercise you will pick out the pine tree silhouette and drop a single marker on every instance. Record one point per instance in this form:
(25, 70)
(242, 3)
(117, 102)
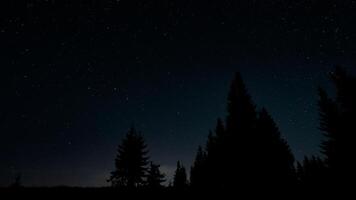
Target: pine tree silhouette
(240, 135)
(248, 151)
(337, 122)
(180, 181)
(154, 177)
(131, 162)
(329, 125)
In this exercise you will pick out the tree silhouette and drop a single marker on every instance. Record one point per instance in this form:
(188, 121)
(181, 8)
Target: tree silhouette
(337, 122)
(154, 177)
(249, 150)
(180, 181)
(131, 162)
(238, 156)
(329, 125)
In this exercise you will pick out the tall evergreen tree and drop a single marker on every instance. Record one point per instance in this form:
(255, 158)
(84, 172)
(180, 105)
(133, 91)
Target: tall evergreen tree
(238, 145)
(337, 122)
(248, 151)
(329, 125)
(180, 181)
(155, 178)
(344, 166)
(131, 161)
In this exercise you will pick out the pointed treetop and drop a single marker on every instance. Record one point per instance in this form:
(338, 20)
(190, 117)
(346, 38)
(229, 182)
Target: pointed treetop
(238, 86)
(241, 109)
(180, 177)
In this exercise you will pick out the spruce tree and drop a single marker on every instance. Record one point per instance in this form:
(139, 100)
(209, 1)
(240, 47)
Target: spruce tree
(247, 151)
(337, 122)
(131, 162)
(180, 181)
(330, 127)
(154, 177)
(238, 152)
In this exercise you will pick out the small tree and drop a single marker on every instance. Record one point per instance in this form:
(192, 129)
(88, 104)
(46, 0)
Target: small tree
(180, 181)
(155, 178)
(131, 162)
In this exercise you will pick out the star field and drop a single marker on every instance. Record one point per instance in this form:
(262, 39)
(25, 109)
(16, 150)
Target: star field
(78, 75)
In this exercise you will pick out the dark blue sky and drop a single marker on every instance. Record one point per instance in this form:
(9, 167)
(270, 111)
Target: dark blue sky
(78, 76)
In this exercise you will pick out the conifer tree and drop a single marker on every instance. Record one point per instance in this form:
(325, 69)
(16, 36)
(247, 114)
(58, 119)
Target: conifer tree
(238, 153)
(337, 122)
(131, 162)
(154, 177)
(180, 181)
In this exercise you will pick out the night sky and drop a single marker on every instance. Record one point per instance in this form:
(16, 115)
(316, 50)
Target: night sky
(77, 75)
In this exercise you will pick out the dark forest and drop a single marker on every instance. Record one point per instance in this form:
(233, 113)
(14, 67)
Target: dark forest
(177, 97)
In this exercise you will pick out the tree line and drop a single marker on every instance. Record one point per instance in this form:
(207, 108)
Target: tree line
(247, 150)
